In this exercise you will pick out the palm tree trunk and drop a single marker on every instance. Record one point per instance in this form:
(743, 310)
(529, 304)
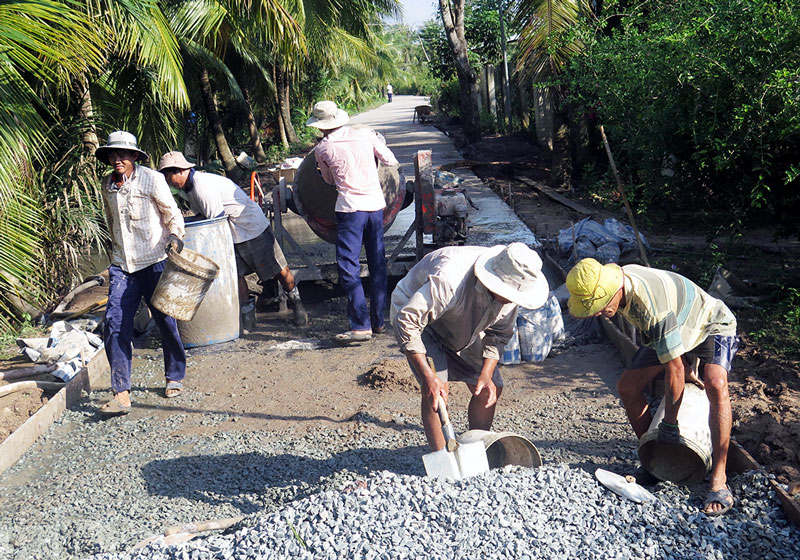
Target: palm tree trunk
(285, 105)
(255, 136)
(216, 124)
(453, 20)
(278, 113)
(561, 169)
(89, 131)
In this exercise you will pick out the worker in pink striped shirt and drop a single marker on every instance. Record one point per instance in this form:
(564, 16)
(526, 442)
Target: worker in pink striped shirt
(346, 158)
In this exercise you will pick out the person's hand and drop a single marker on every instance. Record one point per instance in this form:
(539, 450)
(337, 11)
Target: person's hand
(691, 374)
(434, 389)
(487, 385)
(174, 243)
(669, 433)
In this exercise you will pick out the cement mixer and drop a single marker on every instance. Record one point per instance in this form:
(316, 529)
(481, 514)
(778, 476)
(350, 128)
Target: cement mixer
(440, 212)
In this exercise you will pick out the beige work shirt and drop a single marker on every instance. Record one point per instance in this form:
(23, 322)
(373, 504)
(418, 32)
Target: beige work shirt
(141, 214)
(442, 293)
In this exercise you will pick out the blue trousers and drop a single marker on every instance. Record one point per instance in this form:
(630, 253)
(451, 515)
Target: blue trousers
(353, 229)
(125, 291)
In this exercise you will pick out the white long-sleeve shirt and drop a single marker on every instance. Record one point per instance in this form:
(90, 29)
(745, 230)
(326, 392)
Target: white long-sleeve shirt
(141, 214)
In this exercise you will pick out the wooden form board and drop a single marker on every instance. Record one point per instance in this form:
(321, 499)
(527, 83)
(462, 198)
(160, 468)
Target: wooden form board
(93, 376)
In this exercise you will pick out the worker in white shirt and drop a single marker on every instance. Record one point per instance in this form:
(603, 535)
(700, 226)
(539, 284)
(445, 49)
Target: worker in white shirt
(254, 244)
(144, 223)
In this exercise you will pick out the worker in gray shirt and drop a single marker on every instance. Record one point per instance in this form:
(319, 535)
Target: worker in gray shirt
(458, 307)
(254, 244)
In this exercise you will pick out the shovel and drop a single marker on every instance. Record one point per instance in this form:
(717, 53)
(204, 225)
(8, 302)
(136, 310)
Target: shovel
(456, 460)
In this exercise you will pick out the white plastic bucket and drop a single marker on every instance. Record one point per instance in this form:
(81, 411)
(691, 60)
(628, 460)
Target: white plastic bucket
(689, 462)
(183, 284)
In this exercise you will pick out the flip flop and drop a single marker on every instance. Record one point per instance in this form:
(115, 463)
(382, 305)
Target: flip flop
(379, 330)
(114, 408)
(350, 336)
(722, 497)
(173, 389)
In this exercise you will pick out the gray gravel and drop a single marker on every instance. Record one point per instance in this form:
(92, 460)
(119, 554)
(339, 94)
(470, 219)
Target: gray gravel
(361, 493)
(552, 512)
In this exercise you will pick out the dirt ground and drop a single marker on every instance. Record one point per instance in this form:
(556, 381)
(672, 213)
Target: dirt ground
(258, 388)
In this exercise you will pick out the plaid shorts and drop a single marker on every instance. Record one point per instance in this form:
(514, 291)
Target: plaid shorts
(450, 366)
(261, 255)
(718, 350)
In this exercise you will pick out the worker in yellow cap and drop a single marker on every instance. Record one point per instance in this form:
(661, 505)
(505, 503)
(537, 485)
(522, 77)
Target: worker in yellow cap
(678, 322)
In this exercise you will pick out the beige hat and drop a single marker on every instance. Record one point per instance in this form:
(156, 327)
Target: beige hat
(327, 115)
(514, 272)
(173, 159)
(119, 140)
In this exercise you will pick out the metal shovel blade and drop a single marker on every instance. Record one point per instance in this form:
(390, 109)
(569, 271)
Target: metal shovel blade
(441, 463)
(471, 459)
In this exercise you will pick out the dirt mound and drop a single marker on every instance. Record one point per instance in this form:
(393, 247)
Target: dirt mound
(389, 375)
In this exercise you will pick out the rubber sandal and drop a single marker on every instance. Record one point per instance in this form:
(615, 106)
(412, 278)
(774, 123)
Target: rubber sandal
(114, 408)
(173, 389)
(350, 336)
(379, 330)
(722, 497)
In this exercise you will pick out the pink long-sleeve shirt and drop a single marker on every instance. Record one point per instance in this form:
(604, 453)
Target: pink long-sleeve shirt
(346, 158)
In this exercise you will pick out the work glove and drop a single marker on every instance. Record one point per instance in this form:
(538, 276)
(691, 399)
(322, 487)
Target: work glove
(668, 433)
(174, 243)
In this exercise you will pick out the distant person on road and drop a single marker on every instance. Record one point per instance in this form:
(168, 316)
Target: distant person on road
(255, 246)
(458, 307)
(678, 322)
(346, 158)
(145, 224)
(389, 91)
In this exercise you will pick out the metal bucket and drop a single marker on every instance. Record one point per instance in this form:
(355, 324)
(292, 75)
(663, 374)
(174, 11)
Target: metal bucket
(217, 318)
(315, 200)
(505, 448)
(183, 284)
(689, 462)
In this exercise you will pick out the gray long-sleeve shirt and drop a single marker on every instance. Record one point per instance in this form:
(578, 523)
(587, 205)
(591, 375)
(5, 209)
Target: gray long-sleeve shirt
(442, 293)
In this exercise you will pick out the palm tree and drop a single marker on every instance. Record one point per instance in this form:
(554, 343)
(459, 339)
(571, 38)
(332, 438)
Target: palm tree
(546, 44)
(43, 44)
(452, 12)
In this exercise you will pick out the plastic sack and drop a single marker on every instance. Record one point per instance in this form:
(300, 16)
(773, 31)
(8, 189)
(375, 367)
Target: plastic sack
(511, 352)
(535, 339)
(555, 321)
(608, 253)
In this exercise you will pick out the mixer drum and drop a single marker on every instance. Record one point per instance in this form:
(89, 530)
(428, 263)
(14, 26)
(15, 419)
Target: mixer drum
(315, 199)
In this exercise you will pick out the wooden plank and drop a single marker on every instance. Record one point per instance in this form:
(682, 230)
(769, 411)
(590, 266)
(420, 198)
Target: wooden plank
(90, 377)
(622, 342)
(544, 189)
(739, 461)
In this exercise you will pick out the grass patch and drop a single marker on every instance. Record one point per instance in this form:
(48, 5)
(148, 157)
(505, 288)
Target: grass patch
(8, 339)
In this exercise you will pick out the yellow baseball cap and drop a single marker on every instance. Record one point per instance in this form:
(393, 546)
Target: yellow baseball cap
(591, 286)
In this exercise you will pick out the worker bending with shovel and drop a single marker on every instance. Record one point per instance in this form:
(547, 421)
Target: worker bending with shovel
(458, 307)
(678, 322)
(254, 245)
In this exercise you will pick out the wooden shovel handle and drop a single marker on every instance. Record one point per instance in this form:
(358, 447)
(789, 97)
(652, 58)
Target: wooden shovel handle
(442, 410)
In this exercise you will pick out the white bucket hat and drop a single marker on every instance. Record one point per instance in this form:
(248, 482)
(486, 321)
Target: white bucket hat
(327, 115)
(173, 159)
(120, 140)
(513, 272)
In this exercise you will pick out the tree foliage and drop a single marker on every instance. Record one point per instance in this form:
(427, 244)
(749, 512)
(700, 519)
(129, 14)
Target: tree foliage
(701, 100)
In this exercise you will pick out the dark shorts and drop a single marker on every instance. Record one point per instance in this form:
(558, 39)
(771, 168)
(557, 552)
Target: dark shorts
(261, 255)
(450, 366)
(718, 350)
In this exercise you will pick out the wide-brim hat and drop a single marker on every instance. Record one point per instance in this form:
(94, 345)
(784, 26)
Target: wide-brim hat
(591, 286)
(174, 160)
(513, 272)
(327, 115)
(120, 140)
